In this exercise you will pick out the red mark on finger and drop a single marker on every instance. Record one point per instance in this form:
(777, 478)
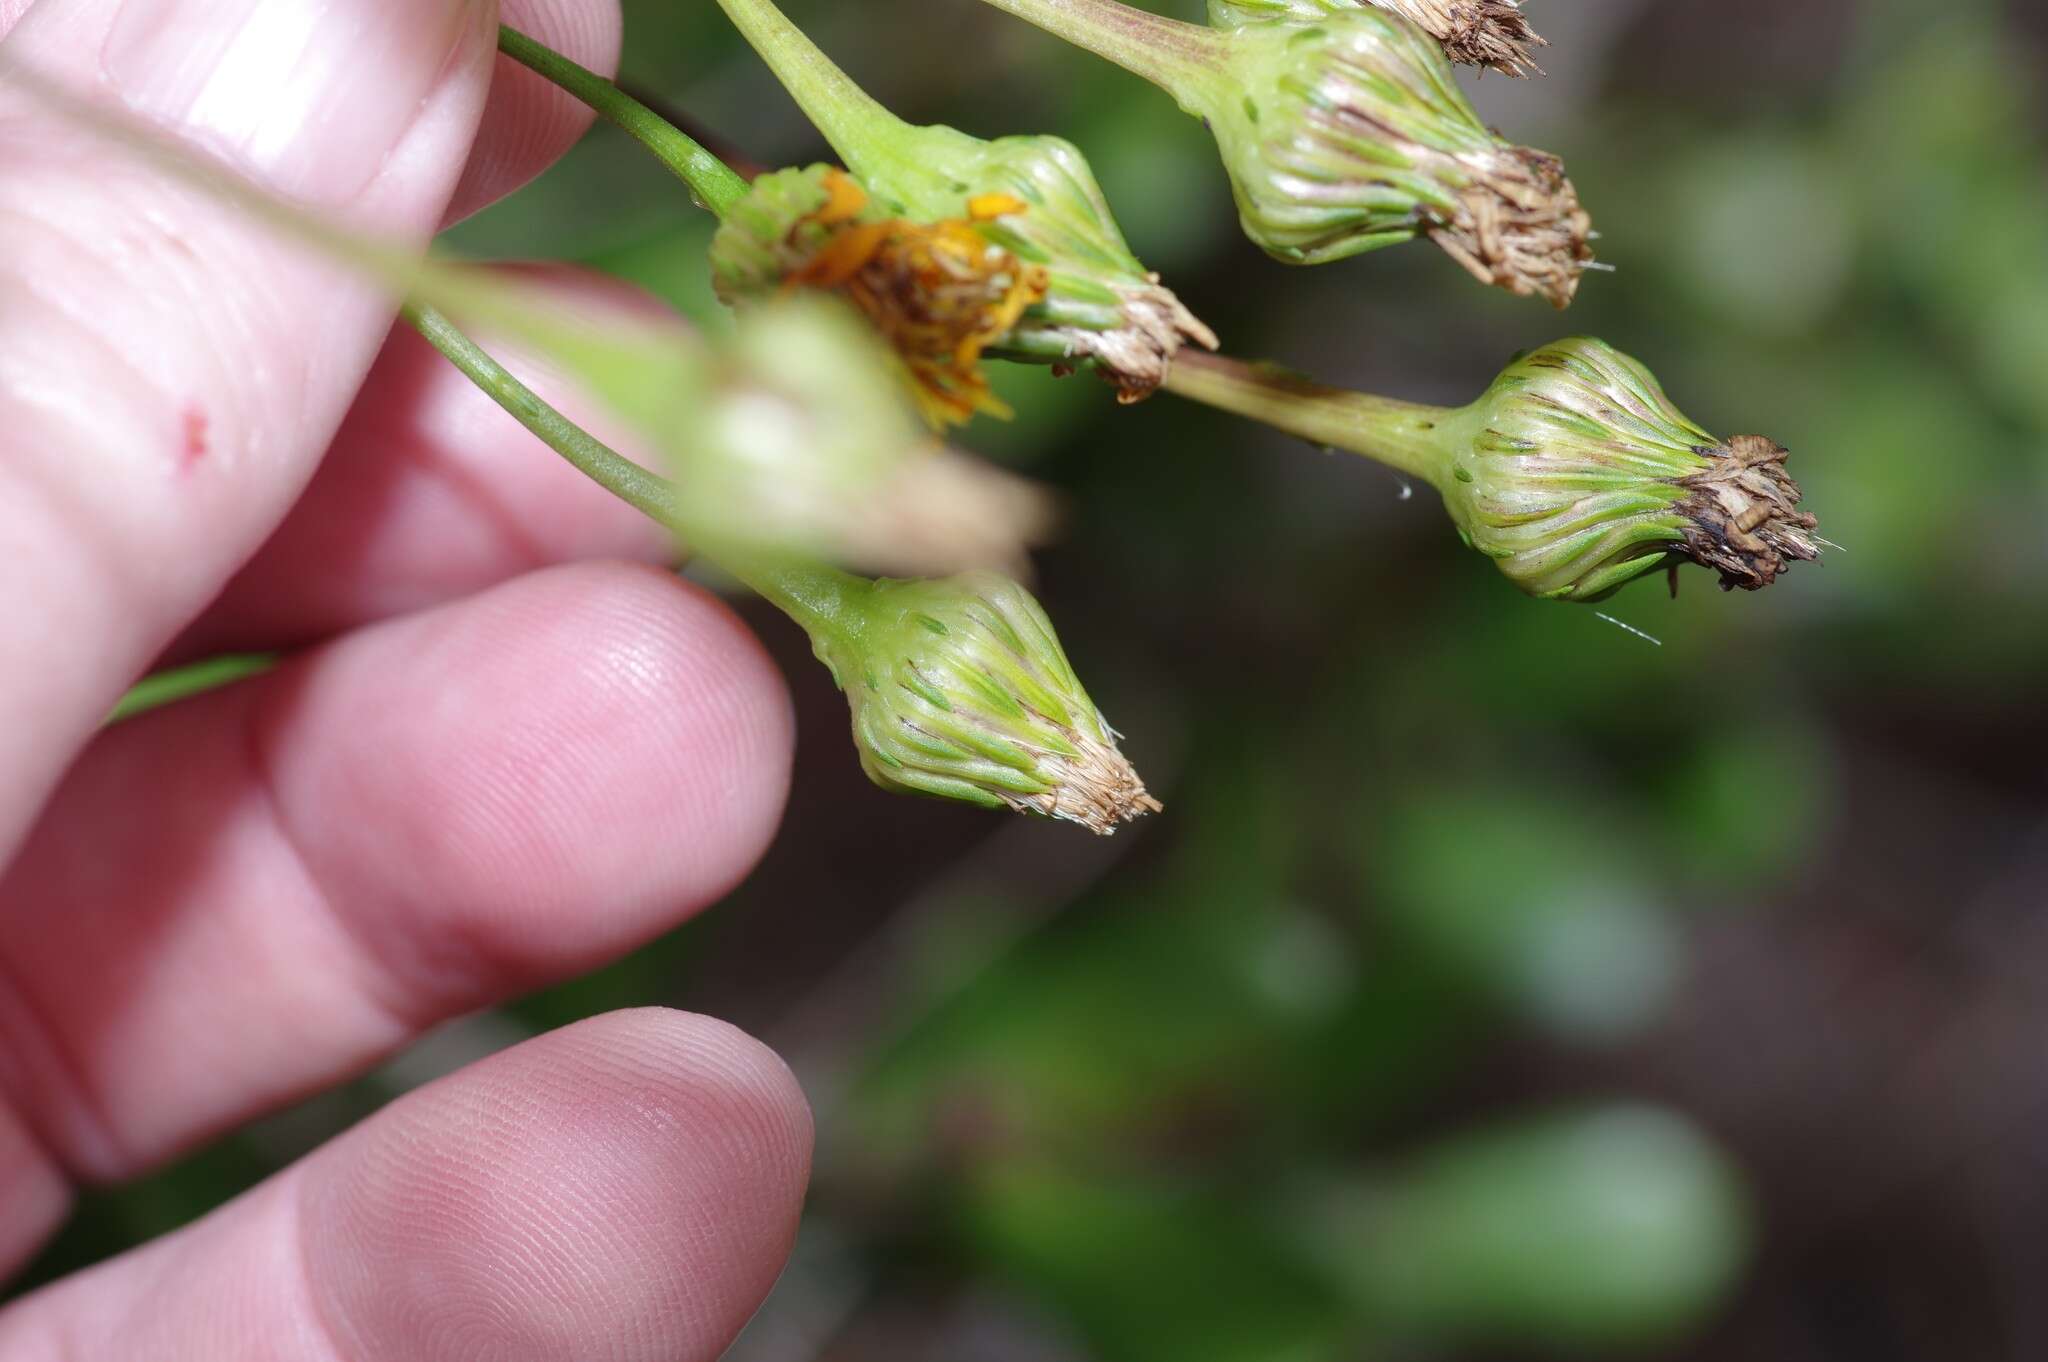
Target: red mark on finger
(194, 448)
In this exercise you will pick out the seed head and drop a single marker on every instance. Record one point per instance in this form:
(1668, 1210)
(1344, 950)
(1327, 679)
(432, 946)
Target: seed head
(959, 689)
(1577, 474)
(1351, 134)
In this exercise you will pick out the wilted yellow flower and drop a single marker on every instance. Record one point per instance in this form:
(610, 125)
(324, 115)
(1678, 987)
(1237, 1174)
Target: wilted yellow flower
(940, 293)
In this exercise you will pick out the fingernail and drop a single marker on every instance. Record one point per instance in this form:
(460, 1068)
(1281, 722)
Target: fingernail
(311, 96)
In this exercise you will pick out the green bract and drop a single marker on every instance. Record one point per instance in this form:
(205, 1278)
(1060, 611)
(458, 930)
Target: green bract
(1492, 33)
(1577, 475)
(1351, 134)
(959, 689)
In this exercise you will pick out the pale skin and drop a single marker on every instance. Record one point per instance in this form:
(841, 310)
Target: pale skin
(505, 749)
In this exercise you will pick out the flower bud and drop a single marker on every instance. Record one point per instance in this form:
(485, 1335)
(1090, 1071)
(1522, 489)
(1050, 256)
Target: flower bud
(959, 689)
(1489, 33)
(1351, 134)
(1576, 474)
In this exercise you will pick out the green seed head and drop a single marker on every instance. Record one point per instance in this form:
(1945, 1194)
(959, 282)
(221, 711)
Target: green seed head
(960, 689)
(1489, 33)
(1350, 134)
(1577, 475)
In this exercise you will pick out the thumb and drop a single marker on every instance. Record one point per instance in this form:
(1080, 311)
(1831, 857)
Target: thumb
(169, 373)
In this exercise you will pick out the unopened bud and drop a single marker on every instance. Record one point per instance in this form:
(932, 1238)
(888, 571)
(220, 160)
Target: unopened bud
(959, 689)
(1351, 134)
(1577, 474)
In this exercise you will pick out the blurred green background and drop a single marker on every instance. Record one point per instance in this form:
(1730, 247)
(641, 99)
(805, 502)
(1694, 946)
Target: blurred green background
(1498, 984)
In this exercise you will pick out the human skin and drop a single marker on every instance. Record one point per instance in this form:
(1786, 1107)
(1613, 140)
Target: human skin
(504, 749)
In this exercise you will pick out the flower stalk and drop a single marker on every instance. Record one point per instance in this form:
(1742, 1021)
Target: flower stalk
(714, 184)
(1348, 134)
(1573, 472)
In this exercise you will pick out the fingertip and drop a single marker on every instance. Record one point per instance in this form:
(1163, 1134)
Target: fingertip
(537, 778)
(627, 1188)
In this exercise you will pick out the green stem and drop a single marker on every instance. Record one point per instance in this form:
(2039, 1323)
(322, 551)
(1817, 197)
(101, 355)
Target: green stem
(628, 481)
(847, 115)
(181, 683)
(714, 183)
(1405, 436)
(831, 605)
(1171, 54)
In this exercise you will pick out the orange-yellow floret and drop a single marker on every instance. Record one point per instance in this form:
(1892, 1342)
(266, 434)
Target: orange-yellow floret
(940, 293)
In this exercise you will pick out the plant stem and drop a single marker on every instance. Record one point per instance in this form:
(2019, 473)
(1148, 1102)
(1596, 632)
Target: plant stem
(714, 183)
(1167, 52)
(181, 683)
(1403, 435)
(652, 495)
(847, 115)
(830, 604)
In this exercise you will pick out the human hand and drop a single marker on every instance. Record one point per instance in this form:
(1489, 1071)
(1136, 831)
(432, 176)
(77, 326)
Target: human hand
(487, 772)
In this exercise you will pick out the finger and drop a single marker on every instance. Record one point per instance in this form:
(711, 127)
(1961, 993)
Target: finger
(626, 1188)
(432, 492)
(33, 1193)
(169, 372)
(240, 899)
(529, 123)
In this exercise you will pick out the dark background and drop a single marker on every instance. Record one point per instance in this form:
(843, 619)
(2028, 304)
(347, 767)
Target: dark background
(1497, 984)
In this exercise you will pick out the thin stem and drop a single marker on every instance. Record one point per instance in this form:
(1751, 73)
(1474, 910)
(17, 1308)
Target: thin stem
(181, 683)
(648, 493)
(1403, 435)
(830, 604)
(1165, 51)
(714, 183)
(844, 112)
